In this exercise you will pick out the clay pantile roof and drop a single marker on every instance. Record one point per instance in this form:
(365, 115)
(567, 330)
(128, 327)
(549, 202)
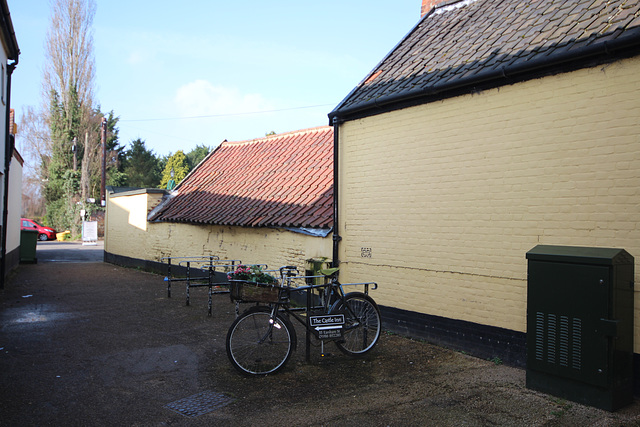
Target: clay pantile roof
(463, 46)
(282, 180)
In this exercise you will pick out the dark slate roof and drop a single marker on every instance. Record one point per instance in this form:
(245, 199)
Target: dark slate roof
(476, 44)
(283, 180)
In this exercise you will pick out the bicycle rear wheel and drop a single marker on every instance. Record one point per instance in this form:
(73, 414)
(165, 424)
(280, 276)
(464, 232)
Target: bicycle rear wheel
(362, 324)
(255, 346)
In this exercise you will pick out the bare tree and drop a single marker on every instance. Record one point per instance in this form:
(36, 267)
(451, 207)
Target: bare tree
(68, 117)
(33, 139)
(69, 53)
(34, 144)
(68, 85)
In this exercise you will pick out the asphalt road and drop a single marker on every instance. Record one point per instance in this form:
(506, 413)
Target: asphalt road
(54, 251)
(85, 343)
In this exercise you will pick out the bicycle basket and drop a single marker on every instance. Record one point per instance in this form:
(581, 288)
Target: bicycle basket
(244, 291)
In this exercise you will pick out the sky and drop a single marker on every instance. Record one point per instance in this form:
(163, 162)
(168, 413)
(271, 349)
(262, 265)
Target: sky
(197, 72)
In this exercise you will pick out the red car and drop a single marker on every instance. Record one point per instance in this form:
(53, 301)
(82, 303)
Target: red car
(44, 233)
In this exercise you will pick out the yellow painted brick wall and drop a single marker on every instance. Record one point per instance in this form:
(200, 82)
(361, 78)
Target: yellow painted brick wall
(250, 245)
(439, 203)
(126, 222)
(130, 235)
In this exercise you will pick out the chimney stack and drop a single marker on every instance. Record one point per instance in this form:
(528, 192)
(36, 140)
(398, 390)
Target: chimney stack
(427, 5)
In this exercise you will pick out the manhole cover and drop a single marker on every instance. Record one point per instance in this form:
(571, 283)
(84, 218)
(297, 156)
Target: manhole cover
(200, 403)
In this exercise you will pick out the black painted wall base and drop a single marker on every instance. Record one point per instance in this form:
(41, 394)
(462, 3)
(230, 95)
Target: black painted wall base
(155, 267)
(12, 260)
(486, 342)
(143, 264)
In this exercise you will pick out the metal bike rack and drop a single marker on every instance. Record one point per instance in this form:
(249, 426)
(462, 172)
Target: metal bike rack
(201, 264)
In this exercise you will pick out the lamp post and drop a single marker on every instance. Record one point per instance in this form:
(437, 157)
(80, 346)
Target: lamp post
(103, 199)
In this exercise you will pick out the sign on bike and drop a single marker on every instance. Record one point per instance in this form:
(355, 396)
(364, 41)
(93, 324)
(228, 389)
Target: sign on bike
(327, 326)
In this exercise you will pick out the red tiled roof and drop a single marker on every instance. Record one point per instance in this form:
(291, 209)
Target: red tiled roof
(282, 180)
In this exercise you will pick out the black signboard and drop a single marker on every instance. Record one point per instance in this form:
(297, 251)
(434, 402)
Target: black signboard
(327, 326)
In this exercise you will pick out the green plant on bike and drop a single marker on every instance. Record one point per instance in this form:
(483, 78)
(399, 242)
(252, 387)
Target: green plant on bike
(252, 273)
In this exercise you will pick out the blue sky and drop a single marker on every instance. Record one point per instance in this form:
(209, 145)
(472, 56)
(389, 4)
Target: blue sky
(160, 64)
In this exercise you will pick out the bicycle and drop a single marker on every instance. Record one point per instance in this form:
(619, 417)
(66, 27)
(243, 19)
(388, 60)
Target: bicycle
(261, 340)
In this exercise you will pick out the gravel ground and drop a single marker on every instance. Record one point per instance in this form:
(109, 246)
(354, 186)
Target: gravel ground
(89, 343)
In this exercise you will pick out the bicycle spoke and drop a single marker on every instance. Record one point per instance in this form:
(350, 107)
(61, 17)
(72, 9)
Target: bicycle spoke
(362, 326)
(257, 346)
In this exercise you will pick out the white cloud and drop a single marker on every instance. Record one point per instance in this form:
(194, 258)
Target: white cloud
(202, 98)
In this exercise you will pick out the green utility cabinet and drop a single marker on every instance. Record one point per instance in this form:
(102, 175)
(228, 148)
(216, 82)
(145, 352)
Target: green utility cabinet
(580, 324)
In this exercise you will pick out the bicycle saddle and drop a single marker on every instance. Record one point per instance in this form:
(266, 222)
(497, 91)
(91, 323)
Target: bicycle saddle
(329, 271)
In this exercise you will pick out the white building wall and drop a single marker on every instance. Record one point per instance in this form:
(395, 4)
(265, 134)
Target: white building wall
(15, 205)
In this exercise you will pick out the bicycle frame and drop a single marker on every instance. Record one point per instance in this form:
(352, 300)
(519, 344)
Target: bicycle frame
(328, 301)
(262, 339)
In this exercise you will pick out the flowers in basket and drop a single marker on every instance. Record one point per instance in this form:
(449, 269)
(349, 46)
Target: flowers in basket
(252, 273)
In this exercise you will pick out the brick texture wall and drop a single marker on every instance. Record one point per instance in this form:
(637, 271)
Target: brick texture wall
(130, 235)
(441, 202)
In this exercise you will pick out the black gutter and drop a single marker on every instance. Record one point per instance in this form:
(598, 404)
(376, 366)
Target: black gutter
(625, 44)
(335, 261)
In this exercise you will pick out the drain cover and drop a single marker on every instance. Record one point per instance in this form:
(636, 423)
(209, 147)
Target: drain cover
(200, 403)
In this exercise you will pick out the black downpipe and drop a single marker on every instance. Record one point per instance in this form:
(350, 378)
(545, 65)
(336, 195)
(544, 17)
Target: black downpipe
(8, 154)
(336, 234)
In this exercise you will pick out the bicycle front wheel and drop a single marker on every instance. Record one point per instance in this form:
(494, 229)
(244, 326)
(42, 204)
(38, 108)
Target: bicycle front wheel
(256, 345)
(362, 324)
